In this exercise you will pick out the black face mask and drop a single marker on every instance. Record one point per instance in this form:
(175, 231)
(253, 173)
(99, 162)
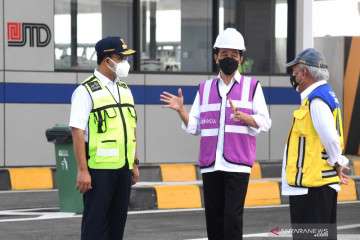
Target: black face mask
(228, 65)
(293, 82)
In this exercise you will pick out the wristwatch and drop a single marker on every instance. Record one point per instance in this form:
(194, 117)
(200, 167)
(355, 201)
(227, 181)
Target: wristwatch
(338, 166)
(136, 161)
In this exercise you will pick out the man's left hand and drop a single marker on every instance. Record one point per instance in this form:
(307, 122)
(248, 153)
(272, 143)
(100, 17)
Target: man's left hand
(135, 174)
(236, 112)
(343, 177)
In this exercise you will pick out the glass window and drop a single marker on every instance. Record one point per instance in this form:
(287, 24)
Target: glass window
(79, 24)
(176, 35)
(281, 25)
(171, 35)
(263, 24)
(227, 14)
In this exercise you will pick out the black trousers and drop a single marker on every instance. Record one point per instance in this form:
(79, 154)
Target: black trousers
(224, 197)
(315, 210)
(106, 204)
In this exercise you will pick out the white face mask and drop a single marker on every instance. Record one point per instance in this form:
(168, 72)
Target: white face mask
(121, 69)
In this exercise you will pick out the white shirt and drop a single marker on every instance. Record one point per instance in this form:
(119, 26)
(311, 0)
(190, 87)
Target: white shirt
(260, 115)
(323, 121)
(81, 103)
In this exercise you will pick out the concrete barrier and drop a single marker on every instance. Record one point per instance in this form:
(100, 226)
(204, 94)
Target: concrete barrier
(178, 196)
(143, 198)
(178, 172)
(178, 185)
(150, 173)
(30, 178)
(348, 192)
(5, 183)
(263, 193)
(255, 171)
(356, 165)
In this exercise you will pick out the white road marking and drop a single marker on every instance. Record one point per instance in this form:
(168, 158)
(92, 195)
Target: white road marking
(349, 227)
(39, 213)
(27, 191)
(53, 213)
(165, 211)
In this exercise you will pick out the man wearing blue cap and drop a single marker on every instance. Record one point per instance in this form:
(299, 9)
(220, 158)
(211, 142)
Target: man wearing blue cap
(313, 165)
(103, 122)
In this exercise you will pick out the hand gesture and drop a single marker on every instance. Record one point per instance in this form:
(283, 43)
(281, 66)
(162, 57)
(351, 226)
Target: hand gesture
(173, 102)
(237, 113)
(243, 117)
(343, 177)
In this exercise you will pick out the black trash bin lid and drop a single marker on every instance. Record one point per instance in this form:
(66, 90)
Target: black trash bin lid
(59, 134)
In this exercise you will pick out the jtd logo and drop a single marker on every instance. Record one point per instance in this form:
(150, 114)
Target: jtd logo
(19, 33)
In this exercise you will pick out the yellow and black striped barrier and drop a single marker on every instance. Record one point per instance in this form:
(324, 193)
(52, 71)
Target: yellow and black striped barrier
(168, 186)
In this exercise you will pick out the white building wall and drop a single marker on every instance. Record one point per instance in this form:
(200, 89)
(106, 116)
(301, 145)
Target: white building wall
(160, 137)
(304, 29)
(159, 133)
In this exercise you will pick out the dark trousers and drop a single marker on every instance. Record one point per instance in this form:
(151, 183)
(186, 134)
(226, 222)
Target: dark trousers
(106, 204)
(315, 210)
(224, 197)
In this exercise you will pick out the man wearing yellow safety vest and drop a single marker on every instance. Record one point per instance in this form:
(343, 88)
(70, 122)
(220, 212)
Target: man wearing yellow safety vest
(312, 164)
(103, 122)
(246, 66)
(228, 112)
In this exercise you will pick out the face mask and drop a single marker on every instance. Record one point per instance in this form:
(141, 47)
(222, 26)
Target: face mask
(293, 82)
(121, 69)
(228, 65)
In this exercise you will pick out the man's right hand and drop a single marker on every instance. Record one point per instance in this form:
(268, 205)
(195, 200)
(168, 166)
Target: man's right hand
(176, 103)
(173, 102)
(83, 182)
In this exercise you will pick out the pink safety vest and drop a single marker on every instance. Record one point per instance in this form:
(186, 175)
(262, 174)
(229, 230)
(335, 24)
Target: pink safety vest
(239, 146)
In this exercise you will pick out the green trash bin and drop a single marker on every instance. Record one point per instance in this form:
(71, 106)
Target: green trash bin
(66, 168)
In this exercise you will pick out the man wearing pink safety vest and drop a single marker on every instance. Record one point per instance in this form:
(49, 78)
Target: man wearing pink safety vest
(228, 111)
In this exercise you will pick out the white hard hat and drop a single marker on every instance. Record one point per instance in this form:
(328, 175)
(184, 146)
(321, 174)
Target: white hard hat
(230, 38)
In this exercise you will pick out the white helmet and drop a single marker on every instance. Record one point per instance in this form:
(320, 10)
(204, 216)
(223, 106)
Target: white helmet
(230, 38)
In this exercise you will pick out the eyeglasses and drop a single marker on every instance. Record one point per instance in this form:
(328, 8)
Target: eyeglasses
(297, 72)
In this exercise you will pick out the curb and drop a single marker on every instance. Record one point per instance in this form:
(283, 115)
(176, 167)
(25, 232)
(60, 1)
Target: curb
(5, 183)
(166, 186)
(28, 178)
(261, 192)
(31, 178)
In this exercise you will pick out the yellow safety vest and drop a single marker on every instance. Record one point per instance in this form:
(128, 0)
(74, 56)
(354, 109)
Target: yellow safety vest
(111, 126)
(306, 163)
(246, 66)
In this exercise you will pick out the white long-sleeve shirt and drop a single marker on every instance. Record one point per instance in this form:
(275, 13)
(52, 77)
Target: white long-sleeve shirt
(324, 124)
(260, 115)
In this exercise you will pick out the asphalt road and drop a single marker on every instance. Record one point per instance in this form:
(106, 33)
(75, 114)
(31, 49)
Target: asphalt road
(35, 215)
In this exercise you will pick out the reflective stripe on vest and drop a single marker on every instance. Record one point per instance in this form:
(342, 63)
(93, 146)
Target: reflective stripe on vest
(111, 126)
(239, 146)
(306, 159)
